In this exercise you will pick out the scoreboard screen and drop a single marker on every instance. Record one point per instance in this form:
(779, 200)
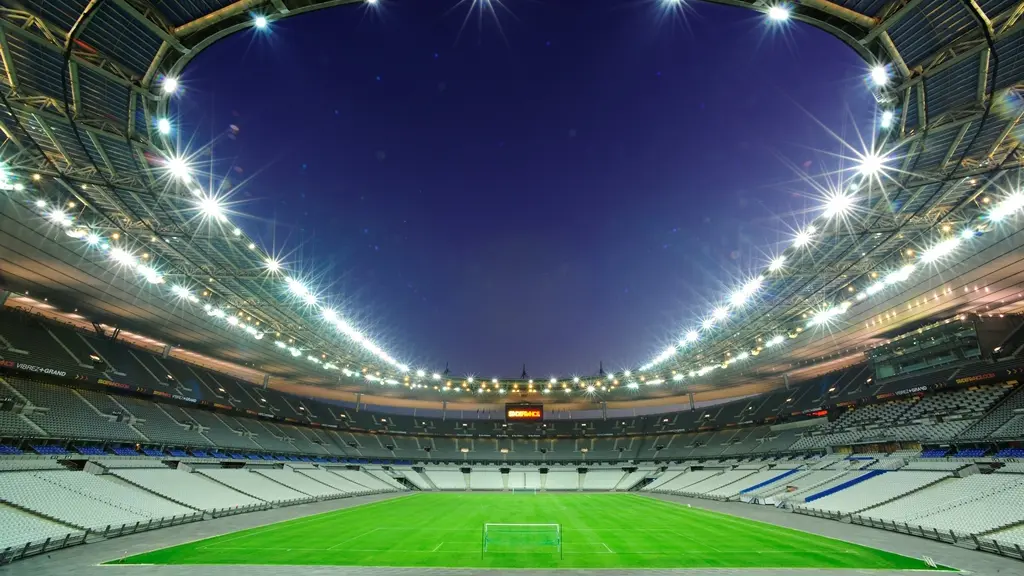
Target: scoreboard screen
(524, 412)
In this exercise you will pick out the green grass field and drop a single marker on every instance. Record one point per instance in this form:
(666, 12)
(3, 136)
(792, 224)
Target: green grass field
(597, 531)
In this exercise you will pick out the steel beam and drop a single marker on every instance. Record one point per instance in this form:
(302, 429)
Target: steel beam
(888, 21)
(5, 55)
(212, 18)
(153, 27)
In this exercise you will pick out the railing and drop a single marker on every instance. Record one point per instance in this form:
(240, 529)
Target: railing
(112, 531)
(1008, 549)
(13, 553)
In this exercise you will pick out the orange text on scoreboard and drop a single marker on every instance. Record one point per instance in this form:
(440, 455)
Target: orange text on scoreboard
(524, 413)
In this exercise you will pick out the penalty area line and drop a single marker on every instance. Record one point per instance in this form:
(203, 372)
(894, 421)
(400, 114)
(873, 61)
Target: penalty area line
(610, 551)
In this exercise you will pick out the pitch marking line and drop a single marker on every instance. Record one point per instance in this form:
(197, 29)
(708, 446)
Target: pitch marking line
(610, 551)
(438, 547)
(356, 537)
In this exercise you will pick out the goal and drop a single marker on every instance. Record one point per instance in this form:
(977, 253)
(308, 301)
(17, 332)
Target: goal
(521, 539)
(523, 490)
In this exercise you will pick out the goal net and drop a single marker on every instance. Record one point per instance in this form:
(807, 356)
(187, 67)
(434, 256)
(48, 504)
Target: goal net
(522, 539)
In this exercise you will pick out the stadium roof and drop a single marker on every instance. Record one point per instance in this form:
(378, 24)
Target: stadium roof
(108, 213)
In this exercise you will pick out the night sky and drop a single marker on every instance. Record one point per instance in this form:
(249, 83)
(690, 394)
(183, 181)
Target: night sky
(569, 189)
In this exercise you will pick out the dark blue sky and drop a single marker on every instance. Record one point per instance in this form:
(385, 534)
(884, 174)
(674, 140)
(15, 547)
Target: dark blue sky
(573, 191)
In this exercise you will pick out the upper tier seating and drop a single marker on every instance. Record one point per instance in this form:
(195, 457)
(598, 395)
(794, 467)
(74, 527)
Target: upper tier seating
(67, 415)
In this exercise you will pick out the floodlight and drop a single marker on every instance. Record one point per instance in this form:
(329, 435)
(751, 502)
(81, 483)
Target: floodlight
(838, 204)
(179, 168)
(778, 13)
(122, 256)
(691, 336)
(40, 203)
(60, 217)
(330, 315)
(272, 265)
(260, 22)
(887, 117)
(170, 85)
(553, 380)
(802, 238)
(776, 264)
(180, 291)
(1012, 203)
(677, 377)
(871, 164)
(938, 251)
(776, 340)
(720, 313)
(163, 125)
(590, 389)
(211, 208)
(92, 239)
(707, 323)
(880, 75)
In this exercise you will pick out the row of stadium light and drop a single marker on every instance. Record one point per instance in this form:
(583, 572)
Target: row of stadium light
(126, 257)
(871, 164)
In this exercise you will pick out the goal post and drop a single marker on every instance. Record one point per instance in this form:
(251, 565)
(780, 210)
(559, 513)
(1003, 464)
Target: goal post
(521, 539)
(523, 490)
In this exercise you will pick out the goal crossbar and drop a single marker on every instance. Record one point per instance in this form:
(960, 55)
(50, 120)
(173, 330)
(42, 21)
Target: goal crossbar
(514, 538)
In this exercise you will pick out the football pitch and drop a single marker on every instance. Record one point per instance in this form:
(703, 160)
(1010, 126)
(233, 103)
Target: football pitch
(594, 531)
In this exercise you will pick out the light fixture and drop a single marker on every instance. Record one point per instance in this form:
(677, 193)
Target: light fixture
(272, 265)
(163, 125)
(260, 22)
(776, 264)
(871, 163)
(179, 168)
(211, 208)
(879, 75)
(778, 13)
(691, 336)
(838, 204)
(170, 85)
(803, 237)
(887, 117)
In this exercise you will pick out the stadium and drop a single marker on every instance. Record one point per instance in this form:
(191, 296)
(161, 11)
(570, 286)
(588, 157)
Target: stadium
(853, 405)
